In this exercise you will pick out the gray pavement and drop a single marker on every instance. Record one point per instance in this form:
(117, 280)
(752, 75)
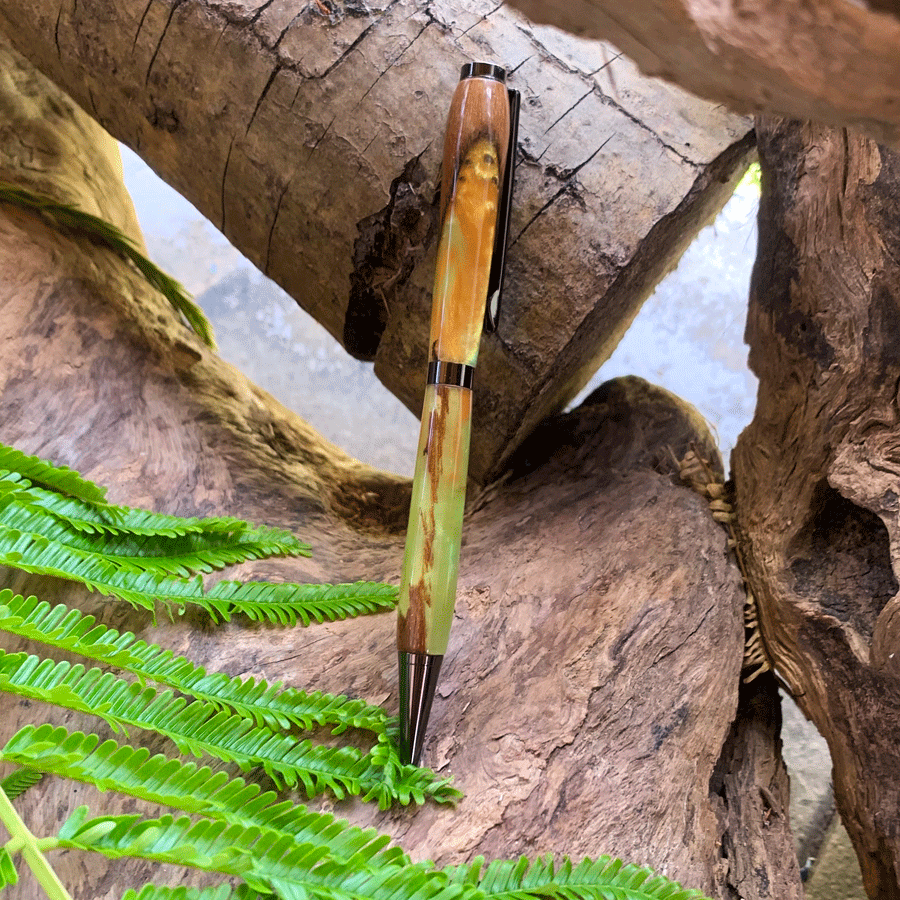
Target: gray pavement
(688, 338)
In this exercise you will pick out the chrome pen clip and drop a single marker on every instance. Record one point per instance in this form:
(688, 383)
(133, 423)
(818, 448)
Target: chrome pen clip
(498, 260)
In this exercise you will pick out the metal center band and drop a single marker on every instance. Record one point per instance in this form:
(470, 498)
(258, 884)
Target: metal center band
(454, 374)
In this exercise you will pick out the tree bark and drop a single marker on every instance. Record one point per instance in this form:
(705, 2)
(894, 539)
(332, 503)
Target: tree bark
(590, 702)
(312, 138)
(831, 61)
(816, 472)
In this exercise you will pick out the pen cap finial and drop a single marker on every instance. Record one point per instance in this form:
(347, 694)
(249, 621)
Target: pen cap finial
(483, 70)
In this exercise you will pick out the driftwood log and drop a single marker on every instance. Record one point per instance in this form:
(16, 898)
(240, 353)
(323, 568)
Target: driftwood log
(311, 135)
(818, 470)
(831, 61)
(591, 701)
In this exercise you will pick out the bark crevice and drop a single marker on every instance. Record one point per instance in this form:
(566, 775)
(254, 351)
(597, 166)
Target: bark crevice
(814, 472)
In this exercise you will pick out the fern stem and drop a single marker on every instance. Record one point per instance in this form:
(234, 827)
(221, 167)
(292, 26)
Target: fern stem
(32, 850)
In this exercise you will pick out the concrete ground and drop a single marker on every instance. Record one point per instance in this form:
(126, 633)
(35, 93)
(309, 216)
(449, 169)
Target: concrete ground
(688, 338)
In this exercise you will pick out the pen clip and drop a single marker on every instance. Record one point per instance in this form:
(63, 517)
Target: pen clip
(504, 208)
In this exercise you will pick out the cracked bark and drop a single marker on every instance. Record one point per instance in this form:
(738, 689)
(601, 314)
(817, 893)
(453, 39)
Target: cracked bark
(589, 698)
(829, 61)
(290, 129)
(816, 471)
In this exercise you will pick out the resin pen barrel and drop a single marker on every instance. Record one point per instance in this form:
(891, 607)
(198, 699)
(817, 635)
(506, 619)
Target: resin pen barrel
(476, 151)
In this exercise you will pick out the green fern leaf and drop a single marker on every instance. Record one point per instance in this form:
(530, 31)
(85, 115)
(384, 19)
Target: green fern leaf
(260, 857)
(196, 728)
(273, 705)
(18, 493)
(222, 892)
(8, 874)
(180, 556)
(287, 890)
(92, 518)
(102, 517)
(196, 790)
(591, 879)
(293, 849)
(200, 843)
(259, 601)
(198, 552)
(50, 476)
(16, 783)
(199, 729)
(64, 216)
(37, 554)
(284, 604)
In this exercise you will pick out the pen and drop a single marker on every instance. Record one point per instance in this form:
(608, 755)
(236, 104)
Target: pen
(476, 189)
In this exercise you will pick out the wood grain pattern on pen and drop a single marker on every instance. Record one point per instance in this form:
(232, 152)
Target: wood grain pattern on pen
(475, 149)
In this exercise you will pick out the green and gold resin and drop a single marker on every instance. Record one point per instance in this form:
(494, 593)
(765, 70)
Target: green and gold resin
(474, 155)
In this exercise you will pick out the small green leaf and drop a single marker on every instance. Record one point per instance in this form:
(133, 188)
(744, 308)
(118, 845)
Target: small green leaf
(18, 782)
(50, 476)
(288, 890)
(8, 874)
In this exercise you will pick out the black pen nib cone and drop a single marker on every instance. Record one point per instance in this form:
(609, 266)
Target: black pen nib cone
(418, 680)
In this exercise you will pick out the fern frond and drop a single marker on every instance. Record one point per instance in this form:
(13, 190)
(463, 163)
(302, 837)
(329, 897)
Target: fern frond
(196, 790)
(64, 216)
(258, 856)
(592, 879)
(180, 556)
(260, 601)
(38, 555)
(273, 705)
(50, 476)
(292, 849)
(99, 517)
(196, 552)
(285, 604)
(16, 783)
(198, 729)
(142, 589)
(221, 892)
(139, 556)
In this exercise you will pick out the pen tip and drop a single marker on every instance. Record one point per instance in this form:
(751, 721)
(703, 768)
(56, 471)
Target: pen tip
(418, 680)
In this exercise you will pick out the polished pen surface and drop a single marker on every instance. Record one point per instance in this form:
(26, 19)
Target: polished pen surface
(475, 156)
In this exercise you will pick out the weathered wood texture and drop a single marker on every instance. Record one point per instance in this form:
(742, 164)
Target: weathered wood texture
(830, 61)
(589, 698)
(817, 471)
(313, 140)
